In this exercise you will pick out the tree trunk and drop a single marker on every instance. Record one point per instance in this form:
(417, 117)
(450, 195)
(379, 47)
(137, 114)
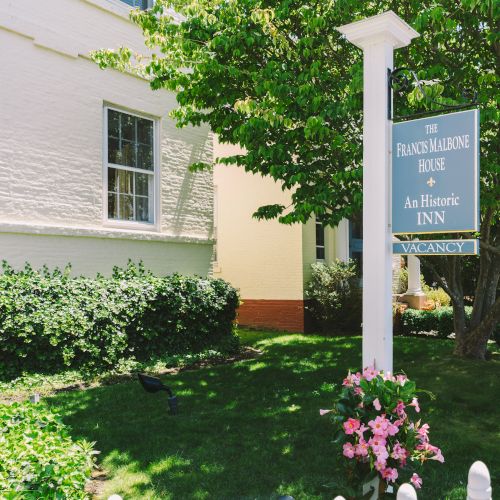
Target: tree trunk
(459, 327)
(476, 341)
(472, 340)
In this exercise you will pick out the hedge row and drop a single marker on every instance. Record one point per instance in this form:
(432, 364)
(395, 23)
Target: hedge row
(439, 320)
(51, 320)
(38, 458)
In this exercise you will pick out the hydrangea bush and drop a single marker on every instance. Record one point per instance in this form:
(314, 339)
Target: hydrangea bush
(377, 416)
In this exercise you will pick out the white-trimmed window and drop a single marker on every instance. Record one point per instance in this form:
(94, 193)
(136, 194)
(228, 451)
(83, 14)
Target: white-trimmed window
(141, 4)
(130, 167)
(320, 240)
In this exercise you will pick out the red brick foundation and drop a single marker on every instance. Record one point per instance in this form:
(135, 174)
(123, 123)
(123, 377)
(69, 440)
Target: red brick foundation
(285, 315)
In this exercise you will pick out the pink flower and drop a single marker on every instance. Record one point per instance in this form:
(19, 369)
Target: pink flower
(377, 441)
(399, 453)
(324, 412)
(379, 425)
(428, 447)
(380, 452)
(349, 450)
(376, 404)
(414, 402)
(380, 464)
(351, 425)
(369, 373)
(416, 480)
(438, 456)
(390, 474)
(401, 379)
(423, 433)
(361, 449)
(393, 429)
(400, 409)
(358, 391)
(351, 380)
(361, 431)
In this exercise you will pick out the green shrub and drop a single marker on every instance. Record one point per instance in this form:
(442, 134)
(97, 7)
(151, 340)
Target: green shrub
(50, 320)
(438, 296)
(438, 320)
(334, 295)
(38, 458)
(403, 280)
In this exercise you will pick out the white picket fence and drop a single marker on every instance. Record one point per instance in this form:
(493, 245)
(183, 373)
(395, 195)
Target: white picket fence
(478, 485)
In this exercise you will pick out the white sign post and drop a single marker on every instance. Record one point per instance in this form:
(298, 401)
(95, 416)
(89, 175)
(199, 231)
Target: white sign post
(378, 36)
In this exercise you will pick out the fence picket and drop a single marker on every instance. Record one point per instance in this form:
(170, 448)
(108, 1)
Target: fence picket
(478, 485)
(479, 482)
(406, 492)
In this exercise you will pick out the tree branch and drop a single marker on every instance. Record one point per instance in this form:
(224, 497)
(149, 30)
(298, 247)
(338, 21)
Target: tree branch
(437, 276)
(489, 248)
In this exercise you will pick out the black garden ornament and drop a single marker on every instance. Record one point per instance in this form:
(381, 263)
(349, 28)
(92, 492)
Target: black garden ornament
(152, 385)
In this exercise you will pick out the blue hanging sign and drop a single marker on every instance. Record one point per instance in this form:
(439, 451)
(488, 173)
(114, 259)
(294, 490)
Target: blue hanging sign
(435, 174)
(437, 247)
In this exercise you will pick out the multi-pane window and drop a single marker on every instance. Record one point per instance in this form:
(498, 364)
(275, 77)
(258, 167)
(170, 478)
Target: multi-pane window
(130, 167)
(320, 240)
(141, 4)
(356, 240)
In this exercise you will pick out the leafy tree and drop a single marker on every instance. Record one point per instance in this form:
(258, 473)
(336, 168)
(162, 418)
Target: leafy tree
(275, 77)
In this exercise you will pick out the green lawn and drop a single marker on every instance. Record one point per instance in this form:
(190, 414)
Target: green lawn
(252, 429)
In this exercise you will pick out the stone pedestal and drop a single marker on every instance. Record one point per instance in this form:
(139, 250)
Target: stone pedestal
(414, 301)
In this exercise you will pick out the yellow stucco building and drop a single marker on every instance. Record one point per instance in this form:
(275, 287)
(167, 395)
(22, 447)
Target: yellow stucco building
(269, 262)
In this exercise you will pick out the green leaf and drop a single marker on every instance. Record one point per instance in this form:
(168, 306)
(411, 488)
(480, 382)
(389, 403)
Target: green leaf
(365, 385)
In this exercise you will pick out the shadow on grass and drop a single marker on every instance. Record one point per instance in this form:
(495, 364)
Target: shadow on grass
(252, 429)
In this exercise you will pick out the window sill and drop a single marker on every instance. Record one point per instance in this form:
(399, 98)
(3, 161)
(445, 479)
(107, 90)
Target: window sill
(99, 232)
(131, 226)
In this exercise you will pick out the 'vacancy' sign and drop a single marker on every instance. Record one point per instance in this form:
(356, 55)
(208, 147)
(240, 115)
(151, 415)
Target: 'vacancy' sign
(437, 247)
(435, 174)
